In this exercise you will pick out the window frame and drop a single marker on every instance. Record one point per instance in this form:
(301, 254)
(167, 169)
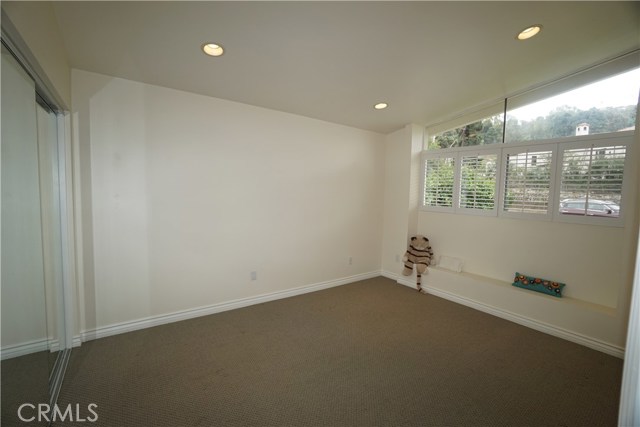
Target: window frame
(557, 147)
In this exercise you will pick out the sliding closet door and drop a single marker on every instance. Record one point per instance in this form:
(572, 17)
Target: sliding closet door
(25, 353)
(51, 232)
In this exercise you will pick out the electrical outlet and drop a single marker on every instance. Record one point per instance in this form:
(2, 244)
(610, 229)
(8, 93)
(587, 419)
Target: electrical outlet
(254, 275)
(397, 258)
(350, 260)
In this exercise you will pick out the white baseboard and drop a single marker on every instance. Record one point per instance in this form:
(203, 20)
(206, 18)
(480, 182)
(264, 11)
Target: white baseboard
(556, 331)
(22, 349)
(162, 319)
(77, 341)
(409, 281)
(54, 346)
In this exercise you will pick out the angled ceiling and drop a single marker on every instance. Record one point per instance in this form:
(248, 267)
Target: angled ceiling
(334, 60)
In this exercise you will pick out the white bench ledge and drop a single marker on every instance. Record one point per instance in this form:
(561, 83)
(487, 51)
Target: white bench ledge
(611, 311)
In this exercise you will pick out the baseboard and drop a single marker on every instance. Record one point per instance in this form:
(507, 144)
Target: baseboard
(162, 319)
(556, 331)
(35, 346)
(77, 341)
(22, 349)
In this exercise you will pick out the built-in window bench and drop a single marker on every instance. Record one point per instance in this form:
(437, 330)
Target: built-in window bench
(584, 322)
(563, 300)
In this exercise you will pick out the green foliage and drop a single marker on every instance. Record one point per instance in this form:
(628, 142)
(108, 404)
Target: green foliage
(561, 122)
(477, 189)
(439, 183)
(486, 131)
(478, 184)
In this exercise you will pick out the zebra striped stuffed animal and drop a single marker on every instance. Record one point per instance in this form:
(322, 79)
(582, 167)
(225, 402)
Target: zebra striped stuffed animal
(419, 253)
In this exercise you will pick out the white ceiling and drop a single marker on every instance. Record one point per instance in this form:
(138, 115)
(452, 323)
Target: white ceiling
(334, 60)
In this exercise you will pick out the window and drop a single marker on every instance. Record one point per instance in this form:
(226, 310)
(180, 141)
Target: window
(439, 182)
(478, 182)
(565, 157)
(479, 128)
(600, 100)
(591, 181)
(576, 180)
(608, 105)
(461, 181)
(527, 181)
(481, 132)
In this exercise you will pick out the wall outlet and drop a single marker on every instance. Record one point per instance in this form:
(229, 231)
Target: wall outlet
(350, 260)
(254, 275)
(397, 258)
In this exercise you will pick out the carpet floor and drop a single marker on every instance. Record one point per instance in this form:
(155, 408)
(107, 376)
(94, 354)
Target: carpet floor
(24, 379)
(371, 353)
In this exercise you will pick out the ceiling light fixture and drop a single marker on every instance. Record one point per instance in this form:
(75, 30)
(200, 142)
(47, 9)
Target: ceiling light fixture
(212, 49)
(381, 106)
(529, 32)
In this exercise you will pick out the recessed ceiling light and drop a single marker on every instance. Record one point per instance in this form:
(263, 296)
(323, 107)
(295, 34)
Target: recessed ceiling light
(529, 32)
(381, 106)
(212, 49)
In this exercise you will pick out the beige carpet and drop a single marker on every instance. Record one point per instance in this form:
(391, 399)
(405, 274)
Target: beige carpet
(371, 353)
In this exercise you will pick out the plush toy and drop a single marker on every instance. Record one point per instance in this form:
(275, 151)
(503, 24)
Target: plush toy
(419, 253)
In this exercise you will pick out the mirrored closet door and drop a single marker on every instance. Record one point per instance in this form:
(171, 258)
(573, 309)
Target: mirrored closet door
(34, 344)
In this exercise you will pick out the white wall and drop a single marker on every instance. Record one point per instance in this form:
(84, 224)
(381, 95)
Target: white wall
(591, 260)
(43, 46)
(401, 193)
(396, 198)
(185, 195)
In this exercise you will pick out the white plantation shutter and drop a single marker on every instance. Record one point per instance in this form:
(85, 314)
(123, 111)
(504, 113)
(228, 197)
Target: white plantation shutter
(528, 181)
(439, 180)
(478, 176)
(576, 180)
(593, 172)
